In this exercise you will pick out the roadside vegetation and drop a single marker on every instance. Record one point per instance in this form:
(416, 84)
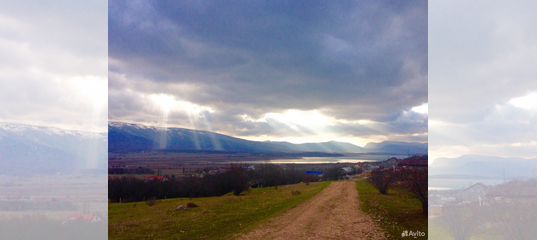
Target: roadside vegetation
(396, 211)
(206, 218)
(413, 178)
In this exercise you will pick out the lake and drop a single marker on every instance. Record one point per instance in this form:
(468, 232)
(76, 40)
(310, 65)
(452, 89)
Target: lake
(324, 160)
(447, 183)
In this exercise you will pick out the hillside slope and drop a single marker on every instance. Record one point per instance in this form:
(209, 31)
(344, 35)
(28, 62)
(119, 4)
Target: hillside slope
(27, 149)
(127, 137)
(215, 218)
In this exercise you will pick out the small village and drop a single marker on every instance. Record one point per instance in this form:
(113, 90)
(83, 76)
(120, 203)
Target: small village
(480, 209)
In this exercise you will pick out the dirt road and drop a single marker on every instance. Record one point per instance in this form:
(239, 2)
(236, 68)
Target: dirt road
(332, 214)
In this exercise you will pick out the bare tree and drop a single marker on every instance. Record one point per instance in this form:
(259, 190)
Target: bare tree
(383, 179)
(415, 181)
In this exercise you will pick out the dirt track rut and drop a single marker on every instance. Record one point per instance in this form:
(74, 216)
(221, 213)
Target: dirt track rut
(334, 213)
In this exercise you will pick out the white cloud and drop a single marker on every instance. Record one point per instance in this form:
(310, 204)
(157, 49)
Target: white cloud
(421, 109)
(168, 103)
(527, 102)
(312, 119)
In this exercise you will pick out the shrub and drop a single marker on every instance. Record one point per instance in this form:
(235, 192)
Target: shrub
(335, 173)
(151, 201)
(237, 179)
(191, 205)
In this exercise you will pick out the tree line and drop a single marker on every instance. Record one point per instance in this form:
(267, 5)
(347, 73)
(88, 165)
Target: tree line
(236, 179)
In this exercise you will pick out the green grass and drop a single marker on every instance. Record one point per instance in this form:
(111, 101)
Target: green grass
(215, 218)
(437, 231)
(397, 211)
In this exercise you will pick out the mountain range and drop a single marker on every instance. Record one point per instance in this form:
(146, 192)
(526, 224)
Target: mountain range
(28, 149)
(484, 166)
(128, 137)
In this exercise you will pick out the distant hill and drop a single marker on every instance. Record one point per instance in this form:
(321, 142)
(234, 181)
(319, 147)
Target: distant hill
(394, 147)
(27, 149)
(484, 166)
(128, 137)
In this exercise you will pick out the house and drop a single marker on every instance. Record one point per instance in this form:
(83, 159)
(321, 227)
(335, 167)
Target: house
(347, 170)
(156, 178)
(368, 167)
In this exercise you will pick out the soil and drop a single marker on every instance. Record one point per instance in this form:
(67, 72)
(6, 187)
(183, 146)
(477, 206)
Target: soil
(334, 213)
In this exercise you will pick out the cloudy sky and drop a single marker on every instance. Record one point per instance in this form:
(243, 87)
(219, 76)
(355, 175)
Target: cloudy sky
(482, 78)
(53, 64)
(300, 71)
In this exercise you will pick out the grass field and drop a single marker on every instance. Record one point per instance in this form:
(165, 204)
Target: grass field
(215, 218)
(438, 232)
(396, 212)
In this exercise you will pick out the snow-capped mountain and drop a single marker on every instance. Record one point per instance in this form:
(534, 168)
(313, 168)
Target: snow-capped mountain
(28, 149)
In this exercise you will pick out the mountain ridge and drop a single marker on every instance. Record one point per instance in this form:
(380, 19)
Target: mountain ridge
(484, 166)
(131, 137)
(31, 149)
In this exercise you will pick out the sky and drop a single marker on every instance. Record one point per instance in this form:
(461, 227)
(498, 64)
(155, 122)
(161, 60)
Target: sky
(53, 64)
(482, 79)
(298, 71)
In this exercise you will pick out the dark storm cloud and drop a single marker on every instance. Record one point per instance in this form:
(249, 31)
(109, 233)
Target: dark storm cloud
(353, 59)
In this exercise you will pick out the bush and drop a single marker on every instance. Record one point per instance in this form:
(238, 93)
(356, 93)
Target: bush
(151, 202)
(191, 205)
(335, 173)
